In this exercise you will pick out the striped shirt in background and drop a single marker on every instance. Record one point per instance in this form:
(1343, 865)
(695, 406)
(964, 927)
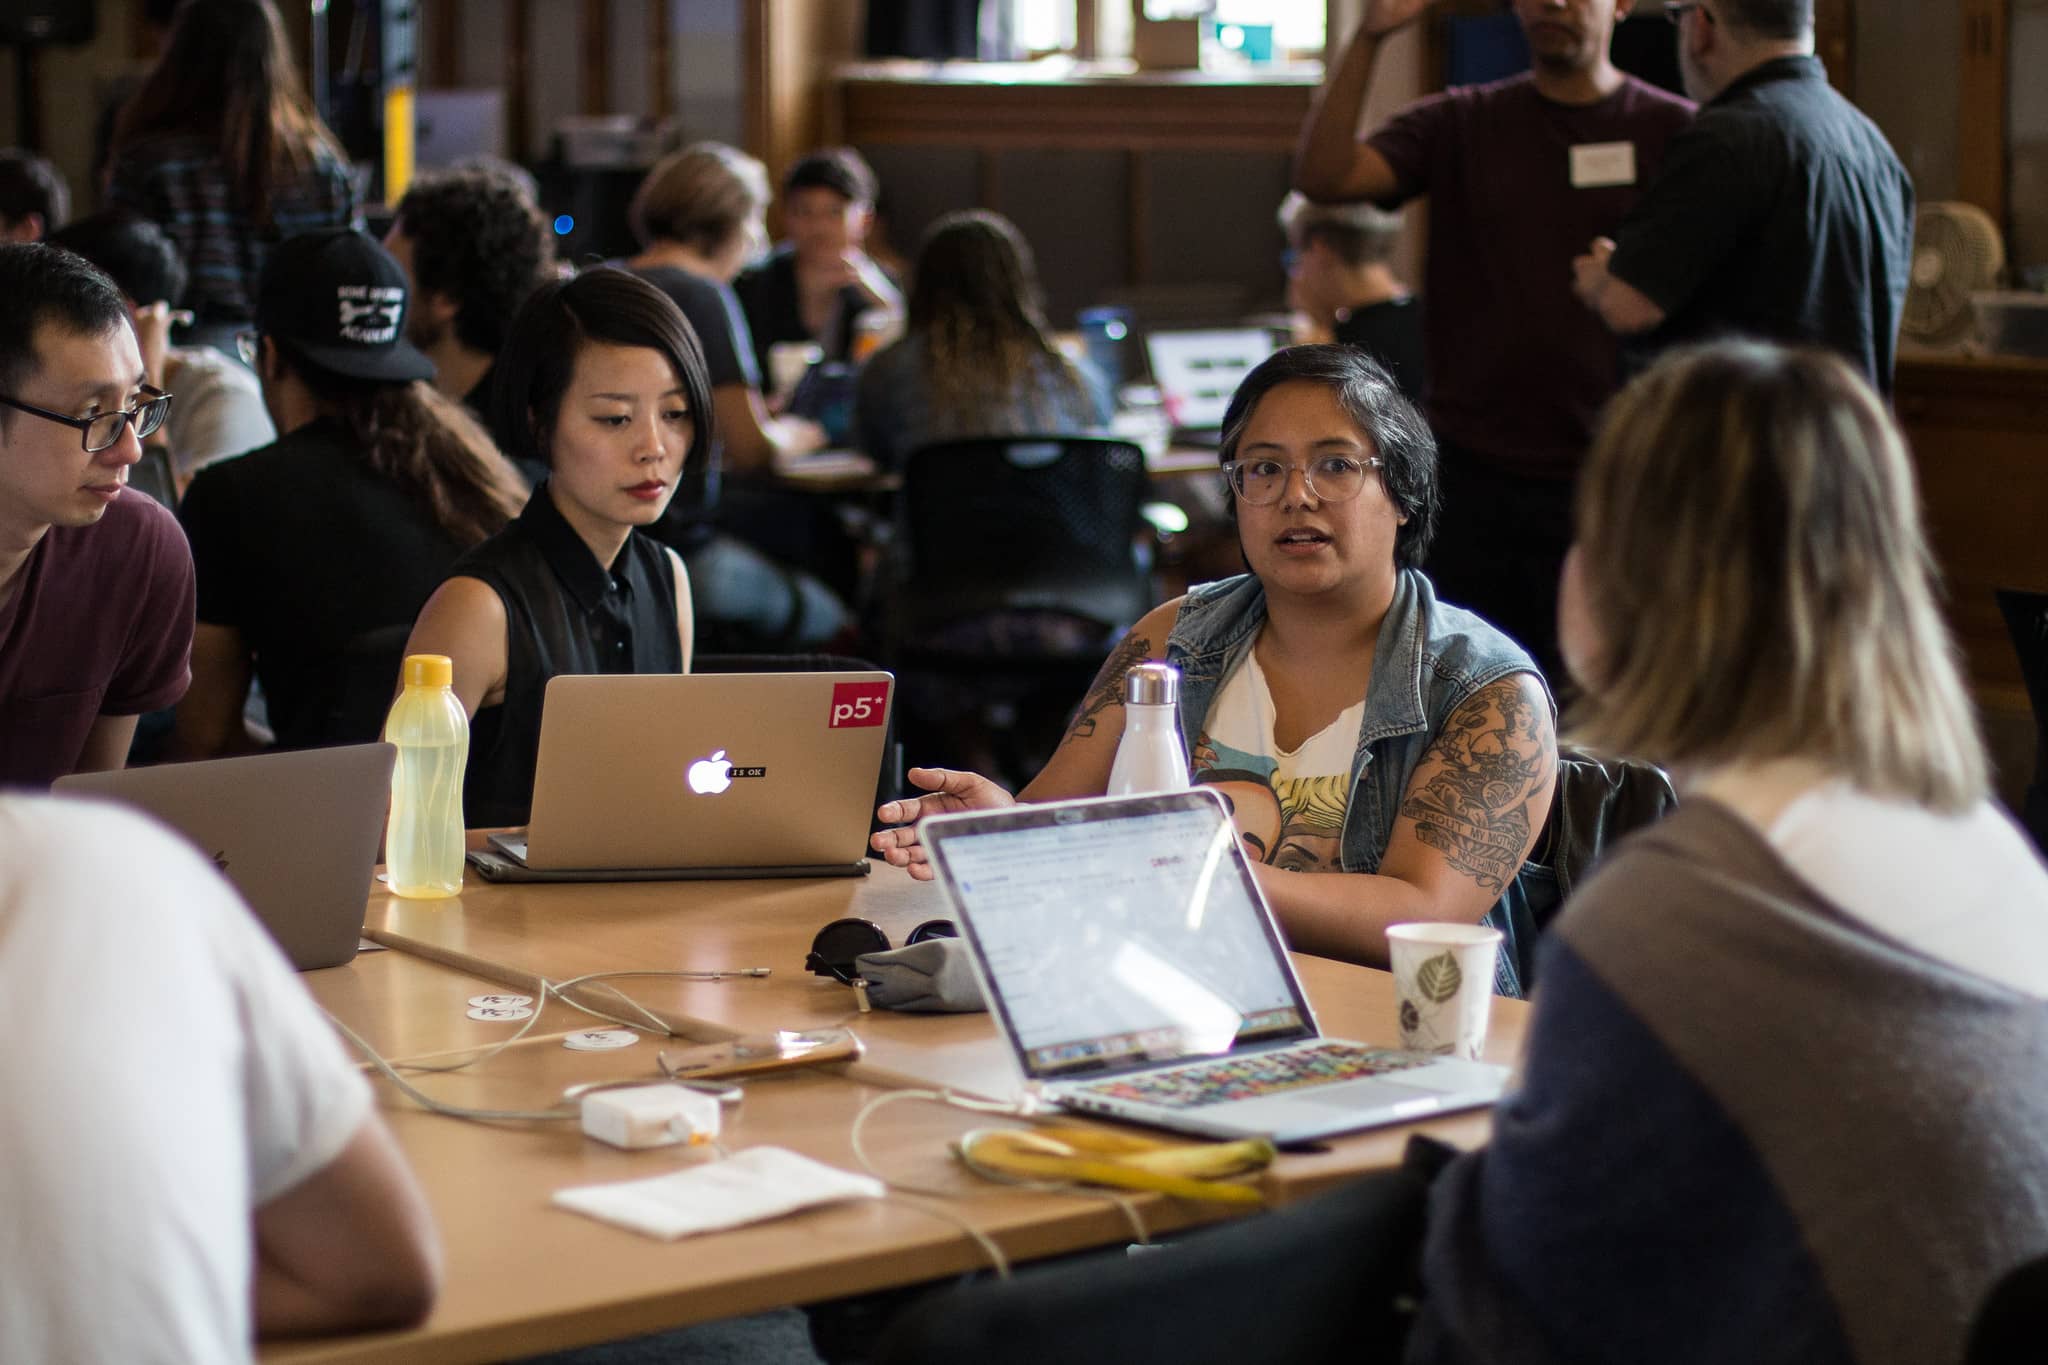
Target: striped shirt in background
(178, 181)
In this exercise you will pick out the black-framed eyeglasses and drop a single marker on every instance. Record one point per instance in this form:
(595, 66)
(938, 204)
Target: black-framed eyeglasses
(1676, 10)
(837, 945)
(245, 347)
(98, 432)
(1328, 478)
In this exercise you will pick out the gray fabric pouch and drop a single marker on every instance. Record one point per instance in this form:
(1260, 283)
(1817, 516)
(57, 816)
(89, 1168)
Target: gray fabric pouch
(932, 977)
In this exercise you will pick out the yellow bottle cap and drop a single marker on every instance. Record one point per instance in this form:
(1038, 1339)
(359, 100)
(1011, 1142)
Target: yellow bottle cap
(429, 670)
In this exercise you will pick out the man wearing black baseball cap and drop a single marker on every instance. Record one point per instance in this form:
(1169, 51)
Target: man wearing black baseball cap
(316, 552)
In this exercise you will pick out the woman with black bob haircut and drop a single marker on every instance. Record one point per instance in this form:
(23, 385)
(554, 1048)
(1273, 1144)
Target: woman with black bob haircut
(1357, 725)
(601, 384)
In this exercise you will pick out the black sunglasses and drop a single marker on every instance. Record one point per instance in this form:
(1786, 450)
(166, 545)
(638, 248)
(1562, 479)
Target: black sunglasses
(837, 945)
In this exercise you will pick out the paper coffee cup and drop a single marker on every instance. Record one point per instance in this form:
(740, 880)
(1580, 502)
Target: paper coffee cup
(1443, 985)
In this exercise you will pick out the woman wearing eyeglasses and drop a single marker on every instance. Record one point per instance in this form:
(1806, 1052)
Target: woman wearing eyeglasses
(1409, 746)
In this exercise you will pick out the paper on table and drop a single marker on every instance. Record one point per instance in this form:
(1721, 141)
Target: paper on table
(748, 1187)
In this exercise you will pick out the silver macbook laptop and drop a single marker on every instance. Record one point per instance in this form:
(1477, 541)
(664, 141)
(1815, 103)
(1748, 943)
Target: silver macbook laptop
(677, 775)
(1137, 973)
(1198, 371)
(297, 833)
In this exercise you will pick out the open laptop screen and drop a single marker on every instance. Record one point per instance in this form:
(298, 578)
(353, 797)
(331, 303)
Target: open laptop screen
(1198, 371)
(1115, 934)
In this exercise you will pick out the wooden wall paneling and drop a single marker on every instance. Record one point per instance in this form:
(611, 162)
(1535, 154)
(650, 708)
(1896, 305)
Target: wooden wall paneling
(1140, 113)
(442, 68)
(660, 48)
(1981, 171)
(1978, 430)
(518, 64)
(1834, 39)
(792, 50)
(594, 51)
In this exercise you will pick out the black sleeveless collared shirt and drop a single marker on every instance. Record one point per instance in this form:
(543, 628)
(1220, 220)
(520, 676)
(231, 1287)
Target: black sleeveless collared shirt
(564, 613)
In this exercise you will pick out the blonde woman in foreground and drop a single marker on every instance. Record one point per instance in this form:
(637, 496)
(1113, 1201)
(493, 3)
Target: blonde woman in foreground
(1782, 1098)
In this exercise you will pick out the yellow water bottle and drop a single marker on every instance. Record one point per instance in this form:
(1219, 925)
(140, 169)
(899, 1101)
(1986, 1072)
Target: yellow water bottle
(423, 843)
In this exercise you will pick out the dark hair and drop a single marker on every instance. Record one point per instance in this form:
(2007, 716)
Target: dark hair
(227, 73)
(43, 284)
(133, 251)
(478, 238)
(1369, 395)
(30, 184)
(603, 304)
(976, 309)
(424, 443)
(1778, 20)
(841, 170)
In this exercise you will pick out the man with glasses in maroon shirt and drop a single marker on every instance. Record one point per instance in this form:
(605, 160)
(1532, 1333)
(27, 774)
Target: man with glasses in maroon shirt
(96, 586)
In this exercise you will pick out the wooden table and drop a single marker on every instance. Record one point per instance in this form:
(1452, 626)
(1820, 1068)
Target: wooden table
(513, 933)
(525, 1277)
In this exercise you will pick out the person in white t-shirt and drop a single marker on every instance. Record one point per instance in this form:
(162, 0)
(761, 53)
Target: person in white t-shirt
(191, 1161)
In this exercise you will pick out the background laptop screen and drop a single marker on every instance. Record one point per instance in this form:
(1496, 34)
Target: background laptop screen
(1114, 939)
(1197, 372)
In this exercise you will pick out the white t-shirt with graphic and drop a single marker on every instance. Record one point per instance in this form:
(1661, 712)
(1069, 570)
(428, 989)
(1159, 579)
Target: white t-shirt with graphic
(1289, 804)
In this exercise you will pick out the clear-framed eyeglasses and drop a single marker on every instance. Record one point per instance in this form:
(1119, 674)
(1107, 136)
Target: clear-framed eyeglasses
(1328, 478)
(98, 432)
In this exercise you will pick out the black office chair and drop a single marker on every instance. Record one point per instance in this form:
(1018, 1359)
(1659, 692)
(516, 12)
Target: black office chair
(1017, 562)
(1597, 801)
(889, 785)
(2026, 621)
(1315, 1282)
(2012, 1326)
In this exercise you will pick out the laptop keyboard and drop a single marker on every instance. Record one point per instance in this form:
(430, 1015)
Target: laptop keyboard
(1247, 1078)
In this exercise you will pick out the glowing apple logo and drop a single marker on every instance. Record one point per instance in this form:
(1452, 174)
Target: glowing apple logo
(710, 776)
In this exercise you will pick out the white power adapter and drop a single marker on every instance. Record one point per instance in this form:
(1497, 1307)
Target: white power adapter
(658, 1115)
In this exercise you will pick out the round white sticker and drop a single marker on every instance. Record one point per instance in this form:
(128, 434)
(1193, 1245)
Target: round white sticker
(495, 1014)
(601, 1040)
(499, 1002)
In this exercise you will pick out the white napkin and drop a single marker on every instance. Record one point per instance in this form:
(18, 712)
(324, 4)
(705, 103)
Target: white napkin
(748, 1187)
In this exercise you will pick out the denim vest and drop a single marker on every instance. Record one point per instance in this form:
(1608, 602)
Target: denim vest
(1430, 660)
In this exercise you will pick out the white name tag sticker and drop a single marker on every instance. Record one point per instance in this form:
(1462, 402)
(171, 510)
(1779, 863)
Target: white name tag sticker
(1597, 165)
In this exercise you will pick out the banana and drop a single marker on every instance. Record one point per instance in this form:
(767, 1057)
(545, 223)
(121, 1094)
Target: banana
(1034, 1155)
(1206, 1160)
(1108, 1141)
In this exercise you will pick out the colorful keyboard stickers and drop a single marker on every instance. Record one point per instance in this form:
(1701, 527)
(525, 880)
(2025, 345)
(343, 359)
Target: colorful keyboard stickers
(1246, 1078)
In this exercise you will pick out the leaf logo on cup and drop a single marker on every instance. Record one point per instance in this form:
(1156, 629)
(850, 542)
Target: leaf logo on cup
(1438, 979)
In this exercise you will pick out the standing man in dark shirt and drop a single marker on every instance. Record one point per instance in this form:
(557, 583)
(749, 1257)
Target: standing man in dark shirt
(1339, 281)
(95, 580)
(1519, 174)
(1782, 213)
(475, 246)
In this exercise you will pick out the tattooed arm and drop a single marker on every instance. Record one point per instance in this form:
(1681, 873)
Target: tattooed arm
(1079, 767)
(1472, 812)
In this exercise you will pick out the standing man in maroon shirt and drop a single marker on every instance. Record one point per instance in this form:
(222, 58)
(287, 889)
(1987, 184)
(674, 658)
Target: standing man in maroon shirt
(95, 581)
(1517, 367)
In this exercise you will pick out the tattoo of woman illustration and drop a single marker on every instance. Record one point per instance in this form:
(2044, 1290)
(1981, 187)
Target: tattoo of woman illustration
(1496, 755)
(1108, 688)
